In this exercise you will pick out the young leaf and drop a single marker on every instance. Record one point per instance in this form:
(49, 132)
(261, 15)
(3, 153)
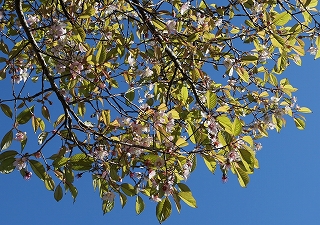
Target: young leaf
(211, 99)
(236, 127)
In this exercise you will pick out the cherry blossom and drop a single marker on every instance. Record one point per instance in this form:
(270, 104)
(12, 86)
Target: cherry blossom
(159, 163)
(171, 26)
(76, 68)
(185, 7)
(20, 163)
(21, 136)
(27, 175)
(108, 196)
(313, 50)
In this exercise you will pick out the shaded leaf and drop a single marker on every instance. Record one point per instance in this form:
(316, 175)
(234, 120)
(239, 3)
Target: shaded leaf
(6, 110)
(58, 193)
(7, 140)
(38, 169)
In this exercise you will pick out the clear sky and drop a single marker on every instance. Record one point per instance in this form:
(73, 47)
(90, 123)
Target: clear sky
(285, 190)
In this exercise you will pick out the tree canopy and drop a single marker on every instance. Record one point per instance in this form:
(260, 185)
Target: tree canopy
(136, 93)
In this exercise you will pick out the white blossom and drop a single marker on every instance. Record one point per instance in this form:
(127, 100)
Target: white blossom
(312, 50)
(171, 26)
(20, 163)
(108, 196)
(185, 7)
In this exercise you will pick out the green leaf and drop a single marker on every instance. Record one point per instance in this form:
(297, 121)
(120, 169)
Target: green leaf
(105, 114)
(8, 154)
(128, 189)
(101, 54)
(79, 31)
(60, 119)
(282, 19)
(81, 162)
(249, 58)
(6, 165)
(7, 140)
(188, 199)
(210, 163)
(163, 209)
(81, 108)
(236, 127)
(4, 48)
(184, 94)
(38, 169)
(45, 113)
(186, 195)
(49, 183)
(6, 110)
(42, 137)
(276, 40)
(211, 99)
(18, 48)
(243, 74)
(248, 139)
(300, 124)
(123, 199)
(73, 191)
(225, 122)
(58, 193)
(25, 115)
(181, 142)
(107, 206)
(304, 110)
(243, 177)
(69, 176)
(60, 161)
(139, 205)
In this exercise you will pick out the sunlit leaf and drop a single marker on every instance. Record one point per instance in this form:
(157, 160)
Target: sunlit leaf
(163, 209)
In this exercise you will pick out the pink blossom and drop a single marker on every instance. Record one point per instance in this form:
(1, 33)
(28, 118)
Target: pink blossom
(32, 19)
(159, 163)
(27, 175)
(76, 68)
(171, 26)
(21, 136)
(155, 198)
(58, 30)
(224, 178)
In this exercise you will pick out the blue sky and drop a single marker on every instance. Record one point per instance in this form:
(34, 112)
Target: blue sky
(285, 190)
